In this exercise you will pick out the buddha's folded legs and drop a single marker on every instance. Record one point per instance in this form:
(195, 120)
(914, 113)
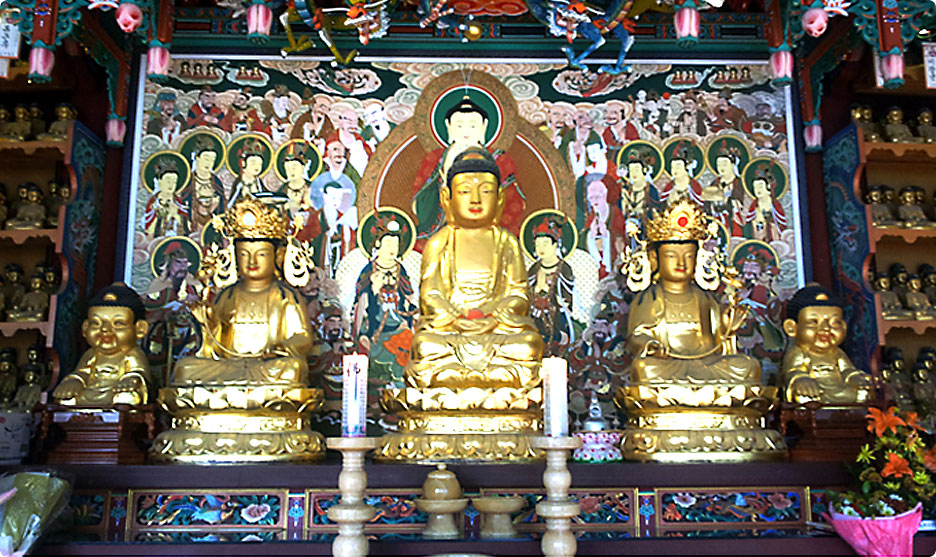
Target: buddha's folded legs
(240, 371)
(733, 369)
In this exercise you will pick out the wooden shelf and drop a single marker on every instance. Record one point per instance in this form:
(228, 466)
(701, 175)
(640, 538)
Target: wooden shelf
(898, 152)
(20, 237)
(919, 327)
(10, 328)
(908, 235)
(44, 149)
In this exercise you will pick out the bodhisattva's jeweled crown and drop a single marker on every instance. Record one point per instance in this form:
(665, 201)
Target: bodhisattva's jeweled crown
(682, 221)
(251, 219)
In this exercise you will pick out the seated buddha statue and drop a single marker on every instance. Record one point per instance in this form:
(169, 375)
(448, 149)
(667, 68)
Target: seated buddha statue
(815, 368)
(691, 395)
(31, 214)
(257, 330)
(114, 370)
(252, 362)
(891, 307)
(679, 333)
(476, 349)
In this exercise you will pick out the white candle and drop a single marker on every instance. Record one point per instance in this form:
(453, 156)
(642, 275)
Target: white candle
(556, 412)
(354, 396)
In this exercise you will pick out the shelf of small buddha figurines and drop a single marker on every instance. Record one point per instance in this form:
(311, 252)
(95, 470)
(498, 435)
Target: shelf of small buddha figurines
(919, 326)
(54, 150)
(908, 235)
(20, 237)
(881, 151)
(10, 328)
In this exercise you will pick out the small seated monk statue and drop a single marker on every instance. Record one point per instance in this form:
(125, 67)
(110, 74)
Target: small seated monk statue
(114, 370)
(881, 214)
(891, 307)
(872, 132)
(815, 368)
(474, 327)
(13, 287)
(910, 211)
(33, 305)
(928, 273)
(28, 394)
(916, 301)
(679, 333)
(8, 374)
(895, 130)
(58, 131)
(20, 129)
(926, 131)
(30, 215)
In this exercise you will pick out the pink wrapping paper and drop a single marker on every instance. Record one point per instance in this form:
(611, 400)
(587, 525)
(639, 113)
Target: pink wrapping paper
(879, 536)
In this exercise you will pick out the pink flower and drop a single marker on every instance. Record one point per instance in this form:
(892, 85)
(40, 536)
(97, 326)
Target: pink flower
(255, 513)
(684, 500)
(780, 501)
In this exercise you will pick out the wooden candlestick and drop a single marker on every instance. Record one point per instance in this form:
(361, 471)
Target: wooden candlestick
(351, 512)
(557, 509)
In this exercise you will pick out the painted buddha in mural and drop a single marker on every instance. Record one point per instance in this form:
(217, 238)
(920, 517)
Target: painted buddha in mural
(474, 327)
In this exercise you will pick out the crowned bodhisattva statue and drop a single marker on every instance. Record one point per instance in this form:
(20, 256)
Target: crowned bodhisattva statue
(473, 390)
(245, 396)
(691, 395)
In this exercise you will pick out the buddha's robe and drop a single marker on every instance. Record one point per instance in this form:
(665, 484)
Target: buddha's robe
(257, 338)
(688, 328)
(442, 354)
(100, 376)
(839, 380)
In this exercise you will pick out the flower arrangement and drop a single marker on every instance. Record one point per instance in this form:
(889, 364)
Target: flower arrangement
(893, 473)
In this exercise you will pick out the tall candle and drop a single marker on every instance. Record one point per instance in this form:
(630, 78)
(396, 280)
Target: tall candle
(354, 395)
(556, 412)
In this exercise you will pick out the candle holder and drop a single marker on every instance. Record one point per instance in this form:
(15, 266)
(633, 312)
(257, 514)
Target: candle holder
(557, 509)
(351, 512)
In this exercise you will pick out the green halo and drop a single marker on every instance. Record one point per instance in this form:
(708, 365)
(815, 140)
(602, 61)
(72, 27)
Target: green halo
(453, 96)
(775, 168)
(188, 146)
(366, 237)
(148, 170)
(191, 249)
(569, 234)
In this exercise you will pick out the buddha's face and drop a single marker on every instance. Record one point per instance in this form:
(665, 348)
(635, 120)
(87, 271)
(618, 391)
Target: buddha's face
(925, 118)
(856, 114)
(678, 168)
(30, 377)
(64, 192)
(817, 328)
(761, 189)
(389, 247)
(21, 113)
(293, 169)
(908, 197)
(5, 367)
(466, 128)
(256, 259)
(4, 114)
(725, 168)
(930, 279)
(472, 199)
(675, 262)
(895, 116)
(874, 196)
(205, 160)
(900, 276)
(635, 172)
(168, 183)
(914, 284)
(252, 165)
(112, 330)
(13, 277)
(36, 284)
(49, 277)
(35, 112)
(545, 247)
(883, 283)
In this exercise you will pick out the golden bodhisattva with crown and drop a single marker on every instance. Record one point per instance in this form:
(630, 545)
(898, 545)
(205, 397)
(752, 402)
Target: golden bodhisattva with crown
(245, 396)
(473, 389)
(691, 395)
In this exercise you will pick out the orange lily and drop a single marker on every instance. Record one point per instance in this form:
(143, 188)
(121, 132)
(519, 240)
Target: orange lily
(882, 421)
(896, 466)
(913, 420)
(929, 459)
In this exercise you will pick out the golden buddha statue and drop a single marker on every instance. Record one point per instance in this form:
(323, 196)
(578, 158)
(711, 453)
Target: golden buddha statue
(114, 370)
(692, 396)
(815, 368)
(29, 393)
(895, 130)
(472, 385)
(245, 395)
(33, 305)
(31, 214)
(891, 307)
(20, 129)
(916, 301)
(881, 214)
(65, 115)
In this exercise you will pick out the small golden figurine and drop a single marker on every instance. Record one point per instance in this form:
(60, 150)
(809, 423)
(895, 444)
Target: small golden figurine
(925, 128)
(245, 395)
(928, 273)
(899, 279)
(891, 308)
(20, 129)
(28, 394)
(910, 212)
(13, 287)
(4, 120)
(58, 196)
(690, 392)
(114, 370)
(22, 196)
(870, 129)
(58, 131)
(8, 374)
(37, 120)
(881, 214)
(30, 215)
(916, 301)
(476, 352)
(894, 129)
(33, 305)
(815, 368)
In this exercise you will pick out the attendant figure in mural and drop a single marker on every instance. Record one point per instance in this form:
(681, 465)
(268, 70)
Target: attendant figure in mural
(114, 369)
(256, 331)
(617, 130)
(557, 125)
(297, 167)
(336, 171)
(466, 124)
(764, 216)
(277, 120)
(551, 280)
(376, 126)
(575, 142)
(166, 121)
(474, 327)
(596, 364)
(677, 332)
(251, 159)
(591, 166)
(338, 221)
(638, 165)
(206, 113)
(596, 234)
(244, 118)
(684, 166)
(726, 116)
(759, 265)
(729, 156)
(314, 126)
(166, 213)
(205, 190)
(815, 368)
(385, 300)
(359, 151)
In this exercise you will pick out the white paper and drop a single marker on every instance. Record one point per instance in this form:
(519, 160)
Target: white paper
(929, 63)
(9, 40)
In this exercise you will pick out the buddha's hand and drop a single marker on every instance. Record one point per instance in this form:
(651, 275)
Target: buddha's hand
(733, 318)
(443, 318)
(202, 311)
(69, 388)
(859, 380)
(806, 387)
(654, 348)
(476, 324)
(130, 384)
